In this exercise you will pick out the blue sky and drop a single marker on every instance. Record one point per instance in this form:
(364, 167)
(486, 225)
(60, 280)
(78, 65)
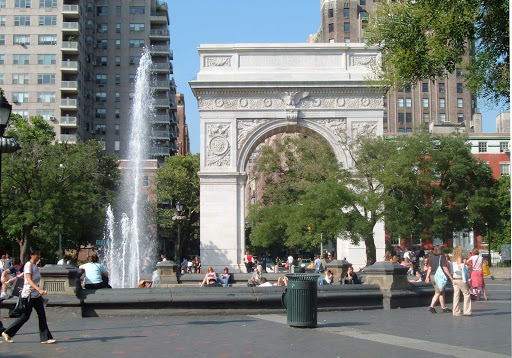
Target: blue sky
(195, 22)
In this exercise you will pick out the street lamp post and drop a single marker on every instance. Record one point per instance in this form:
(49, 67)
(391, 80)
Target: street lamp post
(178, 218)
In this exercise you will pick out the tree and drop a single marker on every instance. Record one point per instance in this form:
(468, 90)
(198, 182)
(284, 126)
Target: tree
(51, 189)
(426, 39)
(177, 180)
(500, 234)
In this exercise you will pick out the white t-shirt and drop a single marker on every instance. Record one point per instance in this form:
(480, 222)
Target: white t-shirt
(30, 268)
(477, 261)
(290, 259)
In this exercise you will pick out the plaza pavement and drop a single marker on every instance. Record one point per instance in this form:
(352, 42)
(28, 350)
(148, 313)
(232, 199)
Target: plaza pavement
(411, 332)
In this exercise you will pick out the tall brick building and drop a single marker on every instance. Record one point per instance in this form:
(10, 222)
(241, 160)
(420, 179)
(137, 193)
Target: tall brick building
(443, 101)
(183, 137)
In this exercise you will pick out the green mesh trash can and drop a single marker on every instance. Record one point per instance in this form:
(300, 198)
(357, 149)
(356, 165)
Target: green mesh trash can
(299, 299)
(298, 269)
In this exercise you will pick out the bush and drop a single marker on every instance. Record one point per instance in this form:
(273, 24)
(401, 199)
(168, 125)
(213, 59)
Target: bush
(447, 250)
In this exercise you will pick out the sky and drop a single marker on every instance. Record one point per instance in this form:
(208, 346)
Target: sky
(195, 22)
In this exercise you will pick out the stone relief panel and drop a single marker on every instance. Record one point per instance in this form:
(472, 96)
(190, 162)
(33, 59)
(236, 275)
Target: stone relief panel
(337, 126)
(218, 149)
(362, 60)
(246, 126)
(217, 61)
(364, 128)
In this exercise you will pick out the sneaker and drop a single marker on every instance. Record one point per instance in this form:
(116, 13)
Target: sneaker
(432, 310)
(446, 310)
(7, 338)
(4, 296)
(50, 341)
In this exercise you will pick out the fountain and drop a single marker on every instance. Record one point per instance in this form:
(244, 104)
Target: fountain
(130, 242)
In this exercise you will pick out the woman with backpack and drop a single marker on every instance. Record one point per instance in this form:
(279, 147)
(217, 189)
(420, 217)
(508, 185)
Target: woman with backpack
(438, 260)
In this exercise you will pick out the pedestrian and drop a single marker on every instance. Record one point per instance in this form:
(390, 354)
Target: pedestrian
(477, 276)
(33, 297)
(290, 263)
(435, 261)
(248, 261)
(8, 261)
(318, 264)
(460, 283)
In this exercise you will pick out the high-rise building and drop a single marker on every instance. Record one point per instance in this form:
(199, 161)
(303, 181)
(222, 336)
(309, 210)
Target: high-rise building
(183, 137)
(443, 101)
(74, 63)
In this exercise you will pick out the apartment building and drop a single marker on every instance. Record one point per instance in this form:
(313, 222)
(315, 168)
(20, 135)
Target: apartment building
(442, 101)
(183, 137)
(74, 63)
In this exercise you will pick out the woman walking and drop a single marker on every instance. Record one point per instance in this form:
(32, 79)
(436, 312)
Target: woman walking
(437, 260)
(460, 283)
(32, 295)
(477, 276)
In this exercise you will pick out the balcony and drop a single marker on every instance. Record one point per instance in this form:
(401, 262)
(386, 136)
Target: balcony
(68, 138)
(69, 66)
(162, 103)
(159, 34)
(160, 67)
(68, 122)
(160, 119)
(161, 85)
(159, 151)
(69, 103)
(69, 46)
(71, 27)
(161, 50)
(165, 135)
(71, 11)
(69, 86)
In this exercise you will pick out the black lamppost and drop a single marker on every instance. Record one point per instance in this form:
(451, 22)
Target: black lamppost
(179, 218)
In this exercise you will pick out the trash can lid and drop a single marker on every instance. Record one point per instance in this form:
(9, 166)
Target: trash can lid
(302, 276)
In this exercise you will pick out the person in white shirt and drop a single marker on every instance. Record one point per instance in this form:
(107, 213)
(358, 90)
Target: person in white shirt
(290, 263)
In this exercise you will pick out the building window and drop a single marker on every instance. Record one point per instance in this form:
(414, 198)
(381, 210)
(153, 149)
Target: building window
(118, 60)
(21, 59)
(1, 79)
(407, 89)
(346, 26)
(458, 73)
(331, 27)
(118, 44)
(394, 239)
(424, 87)
(45, 97)
(117, 144)
(102, 10)
(101, 113)
(118, 79)
(330, 13)
(118, 10)
(102, 60)
(441, 88)
(460, 103)
(138, 27)
(2, 39)
(134, 60)
(20, 79)
(3, 4)
(21, 112)
(131, 78)
(346, 40)
(47, 114)
(385, 117)
(400, 102)
(118, 97)
(101, 96)
(46, 59)
(460, 117)
(47, 20)
(482, 147)
(102, 28)
(116, 128)
(136, 43)
(101, 129)
(425, 102)
(145, 180)
(408, 117)
(21, 20)
(408, 102)
(47, 39)
(362, 2)
(2, 59)
(102, 44)
(504, 147)
(21, 39)
(400, 118)
(459, 88)
(101, 79)
(426, 117)
(131, 96)
(48, 3)
(2, 20)
(505, 169)
(117, 112)
(137, 10)
(118, 28)
(46, 79)
(22, 4)
(442, 117)
(442, 103)
(346, 13)
(89, 7)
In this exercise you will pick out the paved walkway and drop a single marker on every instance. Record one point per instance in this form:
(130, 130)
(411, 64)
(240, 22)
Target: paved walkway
(411, 332)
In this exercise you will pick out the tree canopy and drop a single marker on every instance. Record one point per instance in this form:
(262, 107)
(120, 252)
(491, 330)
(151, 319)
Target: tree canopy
(429, 38)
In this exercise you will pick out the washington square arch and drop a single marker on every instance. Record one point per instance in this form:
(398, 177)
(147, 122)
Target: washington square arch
(249, 92)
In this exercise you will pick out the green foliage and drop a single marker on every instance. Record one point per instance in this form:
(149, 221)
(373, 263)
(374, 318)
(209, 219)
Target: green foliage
(49, 190)
(500, 232)
(177, 180)
(425, 39)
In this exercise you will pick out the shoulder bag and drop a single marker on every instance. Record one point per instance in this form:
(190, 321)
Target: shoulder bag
(486, 271)
(20, 307)
(440, 277)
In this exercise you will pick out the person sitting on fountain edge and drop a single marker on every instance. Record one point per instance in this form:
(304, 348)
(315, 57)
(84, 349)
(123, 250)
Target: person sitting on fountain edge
(96, 276)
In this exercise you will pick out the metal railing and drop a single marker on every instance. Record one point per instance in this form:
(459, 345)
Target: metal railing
(71, 8)
(70, 26)
(72, 65)
(159, 151)
(160, 118)
(160, 66)
(68, 102)
(69, 84)
(72, 45)
(162, 32)
(162, 102)
(68, 120)
(160, 134)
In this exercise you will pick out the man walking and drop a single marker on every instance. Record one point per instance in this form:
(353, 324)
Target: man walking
(290, 263)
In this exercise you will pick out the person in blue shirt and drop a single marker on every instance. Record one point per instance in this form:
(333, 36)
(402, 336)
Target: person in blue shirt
(96, 276)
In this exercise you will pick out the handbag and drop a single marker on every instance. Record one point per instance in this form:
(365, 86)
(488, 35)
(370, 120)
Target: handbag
(486, 271)
(440, 277)
(20, 307)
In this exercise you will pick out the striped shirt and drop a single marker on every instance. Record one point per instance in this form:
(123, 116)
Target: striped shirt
(32, 269)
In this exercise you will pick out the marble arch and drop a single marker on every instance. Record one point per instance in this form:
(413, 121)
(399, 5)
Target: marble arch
(248, 92)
